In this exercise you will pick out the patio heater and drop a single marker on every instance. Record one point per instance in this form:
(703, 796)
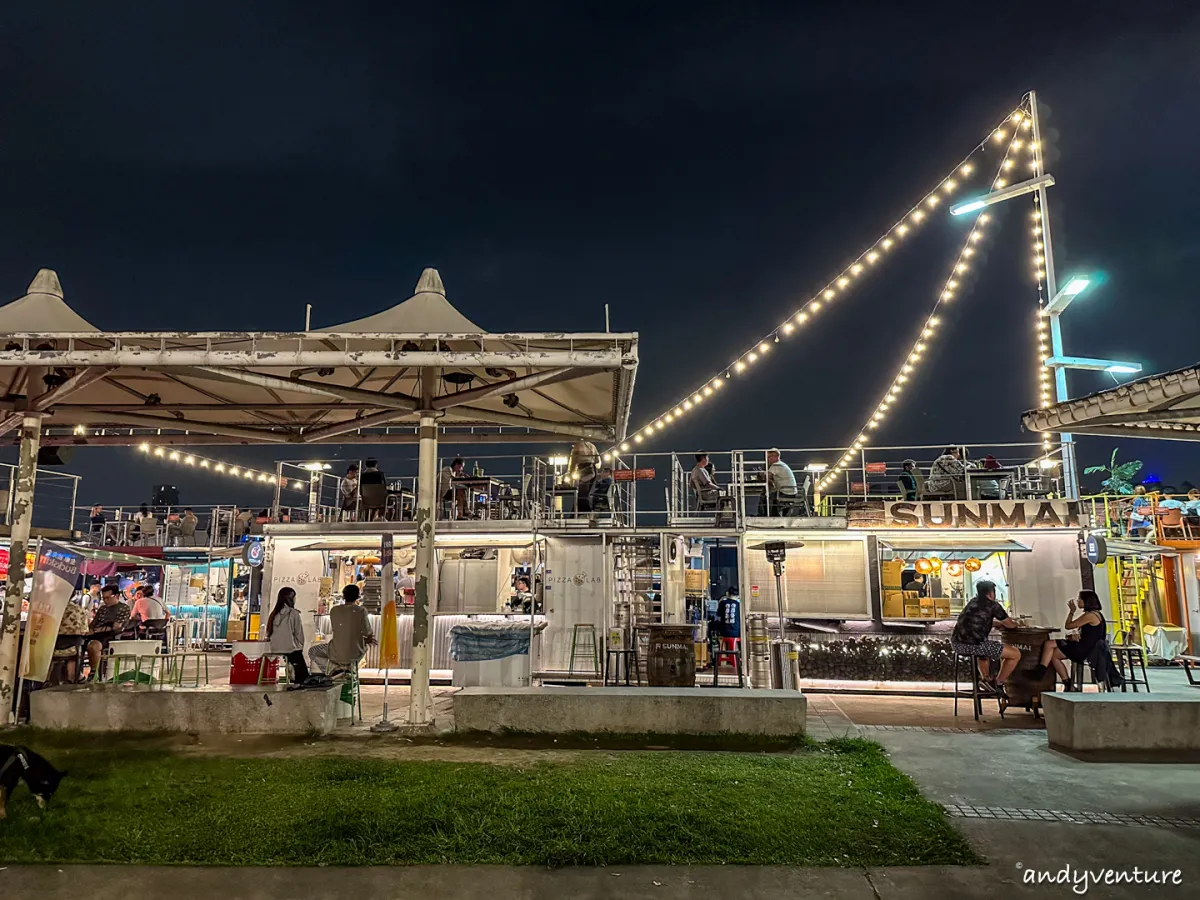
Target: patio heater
(785, 666)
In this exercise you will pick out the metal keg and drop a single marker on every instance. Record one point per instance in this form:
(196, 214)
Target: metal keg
(785, 666)
(760, 651)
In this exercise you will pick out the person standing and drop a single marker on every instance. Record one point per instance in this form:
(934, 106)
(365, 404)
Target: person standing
(583, 464)
(781, 485)
(285, 631)
(351, 635)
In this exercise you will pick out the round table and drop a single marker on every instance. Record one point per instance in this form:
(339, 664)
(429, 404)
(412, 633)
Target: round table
(1024, 688)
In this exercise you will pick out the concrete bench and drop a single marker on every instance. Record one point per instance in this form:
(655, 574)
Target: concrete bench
(1122, 721)
(204, 710)
(630, 710)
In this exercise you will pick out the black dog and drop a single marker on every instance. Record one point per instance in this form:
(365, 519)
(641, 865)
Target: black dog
(22, 764)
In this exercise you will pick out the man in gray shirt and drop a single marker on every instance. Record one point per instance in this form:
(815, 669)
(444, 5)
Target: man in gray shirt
(351, 635)
(781, 485)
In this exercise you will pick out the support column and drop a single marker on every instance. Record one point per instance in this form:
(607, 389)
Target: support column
(1061, 394)
(22, 520)
(420, 707)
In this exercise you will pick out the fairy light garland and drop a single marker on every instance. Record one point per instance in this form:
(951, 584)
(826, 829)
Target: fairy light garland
(946, 296)
(1042, 326)
(218, 467)
(835, 289)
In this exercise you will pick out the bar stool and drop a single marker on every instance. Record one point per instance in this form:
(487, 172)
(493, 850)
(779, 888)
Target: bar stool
(726, 648)
(583, 641)
(976, 694)
(617, 655)
(1135, 657)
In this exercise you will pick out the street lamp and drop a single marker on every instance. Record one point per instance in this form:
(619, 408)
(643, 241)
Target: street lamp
(1013, 190)
(1063, 298)
(1112, 366)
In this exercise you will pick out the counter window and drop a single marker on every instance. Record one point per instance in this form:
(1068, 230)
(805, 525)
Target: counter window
(932, 577)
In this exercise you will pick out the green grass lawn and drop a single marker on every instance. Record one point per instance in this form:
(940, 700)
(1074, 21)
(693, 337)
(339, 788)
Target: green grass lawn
(841, 805)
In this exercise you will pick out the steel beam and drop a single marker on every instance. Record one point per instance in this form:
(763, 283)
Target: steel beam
(279, 383)
(22, 521)
(168, 358)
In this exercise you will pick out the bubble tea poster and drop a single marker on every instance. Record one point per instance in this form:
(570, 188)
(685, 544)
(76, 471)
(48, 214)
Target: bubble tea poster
(54, 579)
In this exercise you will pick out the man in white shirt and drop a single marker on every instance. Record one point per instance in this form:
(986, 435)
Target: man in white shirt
(702, 483)
(781, 485)
(148, 611)
(448, 494)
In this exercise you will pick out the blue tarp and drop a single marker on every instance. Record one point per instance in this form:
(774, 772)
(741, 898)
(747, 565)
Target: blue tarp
(482, 641)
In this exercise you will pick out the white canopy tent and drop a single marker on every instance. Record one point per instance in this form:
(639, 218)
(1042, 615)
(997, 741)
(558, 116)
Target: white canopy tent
(1165, 406)
(400, 375)
(356, 382)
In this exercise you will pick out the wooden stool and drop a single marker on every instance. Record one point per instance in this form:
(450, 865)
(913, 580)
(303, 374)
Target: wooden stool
(1135, 657)
(618, 655)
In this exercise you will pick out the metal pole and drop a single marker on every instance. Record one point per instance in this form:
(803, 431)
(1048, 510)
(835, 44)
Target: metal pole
(22, 521)
(419, 705)
(278, 491)
(1061, 395)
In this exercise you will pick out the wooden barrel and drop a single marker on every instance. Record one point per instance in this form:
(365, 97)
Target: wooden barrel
(1023, 689)
(671, 658)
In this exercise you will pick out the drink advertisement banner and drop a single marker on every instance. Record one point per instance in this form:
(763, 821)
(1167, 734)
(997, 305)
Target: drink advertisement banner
(54, 577)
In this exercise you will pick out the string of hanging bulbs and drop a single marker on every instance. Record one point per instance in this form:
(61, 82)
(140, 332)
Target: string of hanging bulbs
(1045, 396)
(837, 288)
(1011, 130)
(217, 467)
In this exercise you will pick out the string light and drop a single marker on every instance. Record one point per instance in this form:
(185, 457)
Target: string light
(1045, 396)
(220, 468)
(873, 255)
(928, 332)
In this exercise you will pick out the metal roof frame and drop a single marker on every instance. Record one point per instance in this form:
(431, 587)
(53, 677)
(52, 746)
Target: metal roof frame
(1163, 407)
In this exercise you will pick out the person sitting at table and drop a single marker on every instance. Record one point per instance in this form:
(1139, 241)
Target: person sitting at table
(148, 613)
(703, 484)
(285, 631)
(145, 526)
(98, 523)
(1083, 614)
(781, 485)
(106, 625)
(988, 488)
(453, 500)
(947, 478)
(348, 493)
(71, 630)
(372, 486)
(971, 637)
(1141, 520)
(600, 498)
(909, 481)
(351, 636)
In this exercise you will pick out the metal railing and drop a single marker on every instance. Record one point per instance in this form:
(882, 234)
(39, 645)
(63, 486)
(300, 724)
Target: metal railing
(648, 490)
(54, 496)
(216, 525)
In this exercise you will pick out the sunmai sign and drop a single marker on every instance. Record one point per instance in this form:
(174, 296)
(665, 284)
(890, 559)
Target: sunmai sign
(985, 514)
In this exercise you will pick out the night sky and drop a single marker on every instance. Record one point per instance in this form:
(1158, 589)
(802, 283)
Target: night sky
(703, 169)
